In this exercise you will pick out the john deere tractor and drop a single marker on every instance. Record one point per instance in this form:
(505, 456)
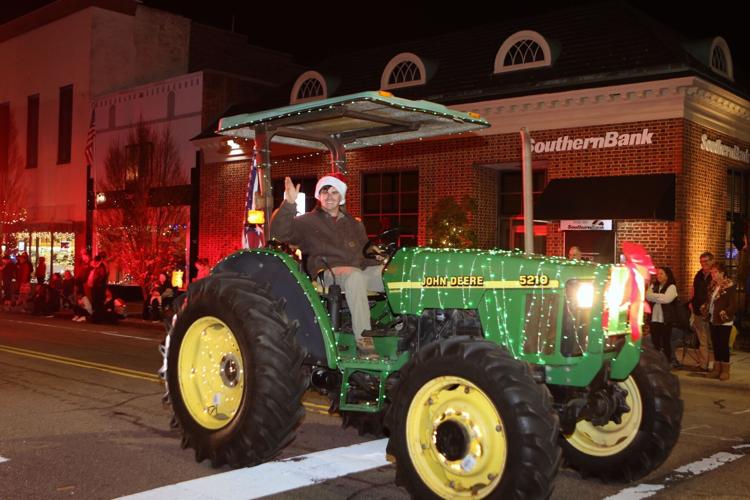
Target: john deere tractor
(492, 366)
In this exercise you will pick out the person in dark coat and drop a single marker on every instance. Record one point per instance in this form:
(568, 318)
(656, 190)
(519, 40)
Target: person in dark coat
(99, 277)
(10, 270)
(698, 297)
(333, 240)
(41, 270)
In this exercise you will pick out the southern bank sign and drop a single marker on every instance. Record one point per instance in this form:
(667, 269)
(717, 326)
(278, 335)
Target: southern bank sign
(612, 139)
(716, 147)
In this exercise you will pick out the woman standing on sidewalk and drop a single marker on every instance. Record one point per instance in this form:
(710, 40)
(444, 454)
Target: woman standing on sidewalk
(663, 315)
(720, 310)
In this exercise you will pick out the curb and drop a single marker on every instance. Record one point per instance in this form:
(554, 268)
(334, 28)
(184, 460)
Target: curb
(131, 322)
(740, 366)
(707, 382)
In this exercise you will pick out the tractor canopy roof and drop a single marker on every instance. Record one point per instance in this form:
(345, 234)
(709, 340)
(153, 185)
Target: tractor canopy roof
(354, 121)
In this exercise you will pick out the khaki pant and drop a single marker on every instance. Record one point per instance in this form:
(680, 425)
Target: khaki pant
(702, 328)
(355, 283)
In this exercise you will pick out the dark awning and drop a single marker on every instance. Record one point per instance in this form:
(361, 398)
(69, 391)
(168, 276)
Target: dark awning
(610, 197)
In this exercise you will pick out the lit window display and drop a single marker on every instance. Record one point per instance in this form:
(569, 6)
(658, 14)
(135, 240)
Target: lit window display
(57, 248)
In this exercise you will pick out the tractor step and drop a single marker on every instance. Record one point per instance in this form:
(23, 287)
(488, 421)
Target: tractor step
(376, 371)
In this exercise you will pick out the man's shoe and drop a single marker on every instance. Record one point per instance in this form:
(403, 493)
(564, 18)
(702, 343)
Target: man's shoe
(366, 347)
(376, 332)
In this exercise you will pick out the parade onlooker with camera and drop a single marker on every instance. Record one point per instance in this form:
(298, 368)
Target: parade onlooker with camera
(719, 310)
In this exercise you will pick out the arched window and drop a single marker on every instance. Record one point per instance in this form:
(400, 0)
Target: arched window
(523, 50)
(404, 70)
(310, 86)
(721, 58)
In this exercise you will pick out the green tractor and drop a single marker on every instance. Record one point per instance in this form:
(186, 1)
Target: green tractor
(491, 367)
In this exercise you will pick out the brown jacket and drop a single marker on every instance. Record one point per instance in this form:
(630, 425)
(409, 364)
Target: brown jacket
(726, 301)
(319, 236)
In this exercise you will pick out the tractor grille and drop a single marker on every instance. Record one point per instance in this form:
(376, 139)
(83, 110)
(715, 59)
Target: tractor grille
(576, 323)
(540, 324)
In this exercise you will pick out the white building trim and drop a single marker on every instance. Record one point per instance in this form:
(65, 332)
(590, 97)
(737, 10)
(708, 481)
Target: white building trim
(511, 41)
(689, 97)
(719, 44)
(404, 57)
(301, 80)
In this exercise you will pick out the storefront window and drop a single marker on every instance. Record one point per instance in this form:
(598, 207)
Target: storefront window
(57, 248)
(737, 216)
(391, 200)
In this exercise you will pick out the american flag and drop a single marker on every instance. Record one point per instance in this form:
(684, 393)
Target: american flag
(90, 140)
(252, 234)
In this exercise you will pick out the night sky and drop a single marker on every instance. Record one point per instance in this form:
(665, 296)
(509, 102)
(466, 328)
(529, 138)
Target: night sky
(312, 30)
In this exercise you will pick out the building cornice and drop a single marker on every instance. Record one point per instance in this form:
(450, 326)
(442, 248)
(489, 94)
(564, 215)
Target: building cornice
(688, 97)
(713, 107)
(140, 91)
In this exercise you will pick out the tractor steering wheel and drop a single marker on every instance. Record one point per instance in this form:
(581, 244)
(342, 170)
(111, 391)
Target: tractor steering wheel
(383, 247)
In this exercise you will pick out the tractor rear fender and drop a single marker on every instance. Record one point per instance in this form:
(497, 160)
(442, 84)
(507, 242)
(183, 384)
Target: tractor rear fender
(283, 275)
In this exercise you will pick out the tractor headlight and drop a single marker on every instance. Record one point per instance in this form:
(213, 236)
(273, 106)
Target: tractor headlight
(585, 295)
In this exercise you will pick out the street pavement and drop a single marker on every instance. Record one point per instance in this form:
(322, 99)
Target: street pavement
(50, 408)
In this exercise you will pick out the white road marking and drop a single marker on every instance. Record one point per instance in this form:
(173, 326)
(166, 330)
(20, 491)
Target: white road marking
(83, 330)
(275, 477)
(637, 492)
(3, 459)
(708, 464)
(741, 412)
(683, 472)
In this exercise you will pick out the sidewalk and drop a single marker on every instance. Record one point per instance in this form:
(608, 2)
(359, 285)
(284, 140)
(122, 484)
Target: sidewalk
(134, 318)
(740, 372)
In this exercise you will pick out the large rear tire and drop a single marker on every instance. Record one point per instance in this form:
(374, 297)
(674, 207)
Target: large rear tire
(468, 421)
(645, 436)
(234, 372)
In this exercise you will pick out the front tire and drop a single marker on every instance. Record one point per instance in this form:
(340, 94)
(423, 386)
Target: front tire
(646, 435)
(468, 421)
(234, 372)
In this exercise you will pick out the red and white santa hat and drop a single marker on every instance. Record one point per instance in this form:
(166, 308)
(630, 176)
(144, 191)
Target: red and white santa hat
(334, 179)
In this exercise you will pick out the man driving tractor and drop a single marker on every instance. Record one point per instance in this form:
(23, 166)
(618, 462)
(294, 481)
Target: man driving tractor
(333, 241)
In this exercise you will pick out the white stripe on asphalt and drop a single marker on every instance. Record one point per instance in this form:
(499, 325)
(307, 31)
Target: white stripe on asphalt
(684, 472)
(83, 330)
(3, 459)
(275, 477)
(741, 412)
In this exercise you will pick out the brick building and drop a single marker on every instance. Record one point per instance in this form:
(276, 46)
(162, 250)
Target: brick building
(637, 135)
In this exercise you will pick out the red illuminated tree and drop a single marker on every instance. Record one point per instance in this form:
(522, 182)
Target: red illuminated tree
(140, 225)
